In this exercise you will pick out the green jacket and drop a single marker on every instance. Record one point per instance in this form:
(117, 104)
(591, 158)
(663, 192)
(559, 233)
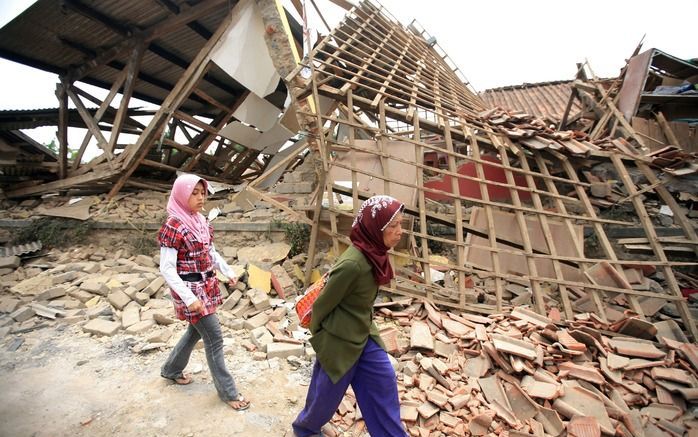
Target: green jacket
(342, 318)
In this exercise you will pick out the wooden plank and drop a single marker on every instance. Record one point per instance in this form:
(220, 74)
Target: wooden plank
(101, 173)
(101, 110)
(457, 204)
(90, 123)
(134, 64)
(62, 130)
(668, 132)
(421, 199)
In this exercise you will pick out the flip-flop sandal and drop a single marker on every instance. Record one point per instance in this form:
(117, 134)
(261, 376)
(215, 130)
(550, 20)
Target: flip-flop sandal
(185, 379)
(244, 406)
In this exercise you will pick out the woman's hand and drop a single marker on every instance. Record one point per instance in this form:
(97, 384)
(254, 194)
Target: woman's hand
(232, 281)
(196, 306)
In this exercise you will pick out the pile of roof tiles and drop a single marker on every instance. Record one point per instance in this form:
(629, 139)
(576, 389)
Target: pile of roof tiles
(521, 374)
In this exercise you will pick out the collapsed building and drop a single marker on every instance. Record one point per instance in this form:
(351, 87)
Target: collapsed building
(506, 206)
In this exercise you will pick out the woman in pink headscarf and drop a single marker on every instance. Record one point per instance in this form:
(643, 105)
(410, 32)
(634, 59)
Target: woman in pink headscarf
(187, 262)
(346, 341)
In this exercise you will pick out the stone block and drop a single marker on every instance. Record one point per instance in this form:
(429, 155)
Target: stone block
(130, 316)
(8, 305)
(131, 292)
(90, 267)
(261, 337)
(139, 284)
(150, 314)
(141, 298)
(278, 314)
(10, 262)
(141, 327)
(101, 327)
(64, 277)
(600, 189)
(154, 286)
(95, 286)
(284, 350)
(232, 300)
(51, 293)
(100, 310)
(259, 299)
(144, 260)
(81, 295)
(22, 314)
(260, 319)
(118, 299)
(240, 308)
(163, 319)
(303, 187)
(285, 188)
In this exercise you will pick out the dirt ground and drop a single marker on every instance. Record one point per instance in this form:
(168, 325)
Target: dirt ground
(62, 382)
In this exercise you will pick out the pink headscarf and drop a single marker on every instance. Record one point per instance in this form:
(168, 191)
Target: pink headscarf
(367, 233)
(178, 206)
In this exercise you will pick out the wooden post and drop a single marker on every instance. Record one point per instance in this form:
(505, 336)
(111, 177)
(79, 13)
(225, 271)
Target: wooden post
(62, 95)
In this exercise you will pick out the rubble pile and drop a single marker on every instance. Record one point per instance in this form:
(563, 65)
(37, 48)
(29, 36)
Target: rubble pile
(522, 373)
(514, 373)
(106, 293)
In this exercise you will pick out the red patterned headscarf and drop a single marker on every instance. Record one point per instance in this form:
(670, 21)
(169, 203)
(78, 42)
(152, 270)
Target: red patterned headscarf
(367, 233)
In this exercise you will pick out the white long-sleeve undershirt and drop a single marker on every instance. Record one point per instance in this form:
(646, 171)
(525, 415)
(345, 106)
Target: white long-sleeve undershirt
(168, 268)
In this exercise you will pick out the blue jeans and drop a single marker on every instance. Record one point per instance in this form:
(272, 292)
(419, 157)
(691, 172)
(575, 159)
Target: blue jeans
(209, 330)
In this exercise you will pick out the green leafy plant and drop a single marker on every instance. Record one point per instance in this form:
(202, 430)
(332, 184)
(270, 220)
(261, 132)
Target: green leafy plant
(54, 232)
(297, 235)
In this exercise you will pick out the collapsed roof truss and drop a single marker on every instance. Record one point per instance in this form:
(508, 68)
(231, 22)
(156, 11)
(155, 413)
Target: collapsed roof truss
(371, 65)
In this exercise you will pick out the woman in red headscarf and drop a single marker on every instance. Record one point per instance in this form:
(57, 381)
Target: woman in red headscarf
(346, 341)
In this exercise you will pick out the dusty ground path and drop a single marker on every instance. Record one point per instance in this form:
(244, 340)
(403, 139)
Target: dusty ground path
(61, 382)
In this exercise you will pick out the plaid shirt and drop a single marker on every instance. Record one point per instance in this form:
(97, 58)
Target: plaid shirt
(192, 257)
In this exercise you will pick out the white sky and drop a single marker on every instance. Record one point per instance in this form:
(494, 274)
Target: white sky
(493, 42)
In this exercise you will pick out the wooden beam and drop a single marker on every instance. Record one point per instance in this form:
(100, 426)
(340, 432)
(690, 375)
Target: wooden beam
(134, 64)
(101, 173)
(62, 130)
(183, 88)
(90, 122)
(668, 132)
(103, 107)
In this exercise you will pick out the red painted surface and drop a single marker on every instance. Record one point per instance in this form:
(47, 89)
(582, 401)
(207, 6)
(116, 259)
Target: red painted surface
(471, 188)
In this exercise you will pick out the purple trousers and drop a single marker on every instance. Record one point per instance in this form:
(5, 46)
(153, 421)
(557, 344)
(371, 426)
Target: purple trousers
(373, 379)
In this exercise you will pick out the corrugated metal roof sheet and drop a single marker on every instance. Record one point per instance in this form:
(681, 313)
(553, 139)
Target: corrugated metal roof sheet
(546, 100)
(54, 36)
(21, 249)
